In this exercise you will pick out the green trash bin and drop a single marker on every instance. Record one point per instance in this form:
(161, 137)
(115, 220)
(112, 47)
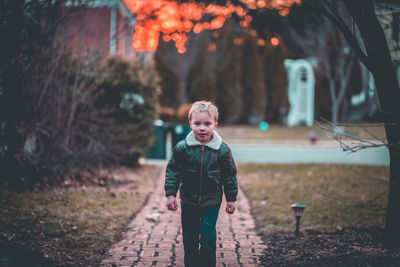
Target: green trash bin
(158, 150)
(179, 132)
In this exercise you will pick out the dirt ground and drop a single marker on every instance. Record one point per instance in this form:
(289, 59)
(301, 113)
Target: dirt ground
(345, 247)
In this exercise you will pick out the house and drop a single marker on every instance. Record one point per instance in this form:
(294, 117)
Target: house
(102, 27)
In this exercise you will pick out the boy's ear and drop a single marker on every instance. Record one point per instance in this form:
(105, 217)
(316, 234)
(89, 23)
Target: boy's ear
(216, 123)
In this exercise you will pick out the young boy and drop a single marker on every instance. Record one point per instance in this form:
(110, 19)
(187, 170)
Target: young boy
(201, 167)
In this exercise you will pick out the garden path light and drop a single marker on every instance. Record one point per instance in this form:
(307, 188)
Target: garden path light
(298, 212)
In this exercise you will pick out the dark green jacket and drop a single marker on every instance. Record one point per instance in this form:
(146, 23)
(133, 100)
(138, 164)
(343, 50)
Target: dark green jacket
(201, 172)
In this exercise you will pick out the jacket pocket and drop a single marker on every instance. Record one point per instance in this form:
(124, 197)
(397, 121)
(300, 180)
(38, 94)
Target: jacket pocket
(214, 181)
(189, 181)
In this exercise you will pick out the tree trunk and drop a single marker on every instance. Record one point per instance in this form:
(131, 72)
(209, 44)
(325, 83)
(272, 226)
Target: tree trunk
(335, 111)
(183, 99)
(381, 67)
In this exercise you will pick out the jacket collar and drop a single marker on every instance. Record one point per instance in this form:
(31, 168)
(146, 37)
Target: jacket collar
(215, 142)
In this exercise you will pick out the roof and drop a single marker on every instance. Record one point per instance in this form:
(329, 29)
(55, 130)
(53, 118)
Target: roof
(102, 3)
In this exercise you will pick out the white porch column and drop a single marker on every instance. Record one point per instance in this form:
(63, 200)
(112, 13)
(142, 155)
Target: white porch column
(113, 30)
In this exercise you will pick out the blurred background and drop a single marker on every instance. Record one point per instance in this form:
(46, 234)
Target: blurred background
(82, 82)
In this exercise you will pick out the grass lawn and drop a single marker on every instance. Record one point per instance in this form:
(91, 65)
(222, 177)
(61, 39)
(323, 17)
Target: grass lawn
(281, 132)
(337, 196)
(72, 225)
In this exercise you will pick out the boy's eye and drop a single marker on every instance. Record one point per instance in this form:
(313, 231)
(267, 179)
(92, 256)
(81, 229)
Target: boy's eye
(208, 123)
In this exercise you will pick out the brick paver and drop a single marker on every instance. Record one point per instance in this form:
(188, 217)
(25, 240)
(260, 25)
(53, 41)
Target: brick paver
(154, 238)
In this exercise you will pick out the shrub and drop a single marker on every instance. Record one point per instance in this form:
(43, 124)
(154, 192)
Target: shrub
(79, 114)
(129, 92)
(54, 120)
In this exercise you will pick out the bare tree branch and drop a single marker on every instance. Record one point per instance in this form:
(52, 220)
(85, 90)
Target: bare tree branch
(329, 12)
(349, 201)
(357, 144)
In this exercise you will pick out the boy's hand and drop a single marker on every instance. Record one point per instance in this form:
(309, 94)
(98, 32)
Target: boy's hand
(171, 203)
(230, 207)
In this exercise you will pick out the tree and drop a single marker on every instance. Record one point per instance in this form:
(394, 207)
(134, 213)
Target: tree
(229, 53)
(373, 52)
(29, 28)
(202, 78)
(51, 122)
(276, 82)
(207, 70)
(254, 88)
(169, 82)
(169, 61)
(337, 63)
(378, 60)
(376, 57)
(318, 38)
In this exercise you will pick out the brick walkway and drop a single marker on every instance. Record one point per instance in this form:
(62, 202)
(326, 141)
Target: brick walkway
(154, 237)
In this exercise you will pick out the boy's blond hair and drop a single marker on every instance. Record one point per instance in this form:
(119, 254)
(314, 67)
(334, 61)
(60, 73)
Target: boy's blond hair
(204, 106)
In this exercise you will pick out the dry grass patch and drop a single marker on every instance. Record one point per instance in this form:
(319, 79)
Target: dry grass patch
(280, 132)
(337, 196)
(74, 226)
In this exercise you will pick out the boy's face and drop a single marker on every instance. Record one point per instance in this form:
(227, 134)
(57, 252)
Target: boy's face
(202, 125)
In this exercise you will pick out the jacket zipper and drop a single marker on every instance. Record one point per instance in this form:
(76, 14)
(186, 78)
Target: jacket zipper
(201, 173)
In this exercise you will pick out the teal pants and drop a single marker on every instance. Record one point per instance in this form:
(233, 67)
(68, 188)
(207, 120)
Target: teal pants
(198, 229)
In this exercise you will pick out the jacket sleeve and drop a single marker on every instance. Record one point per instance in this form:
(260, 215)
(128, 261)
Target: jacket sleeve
(172, 175)
(229, 176)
